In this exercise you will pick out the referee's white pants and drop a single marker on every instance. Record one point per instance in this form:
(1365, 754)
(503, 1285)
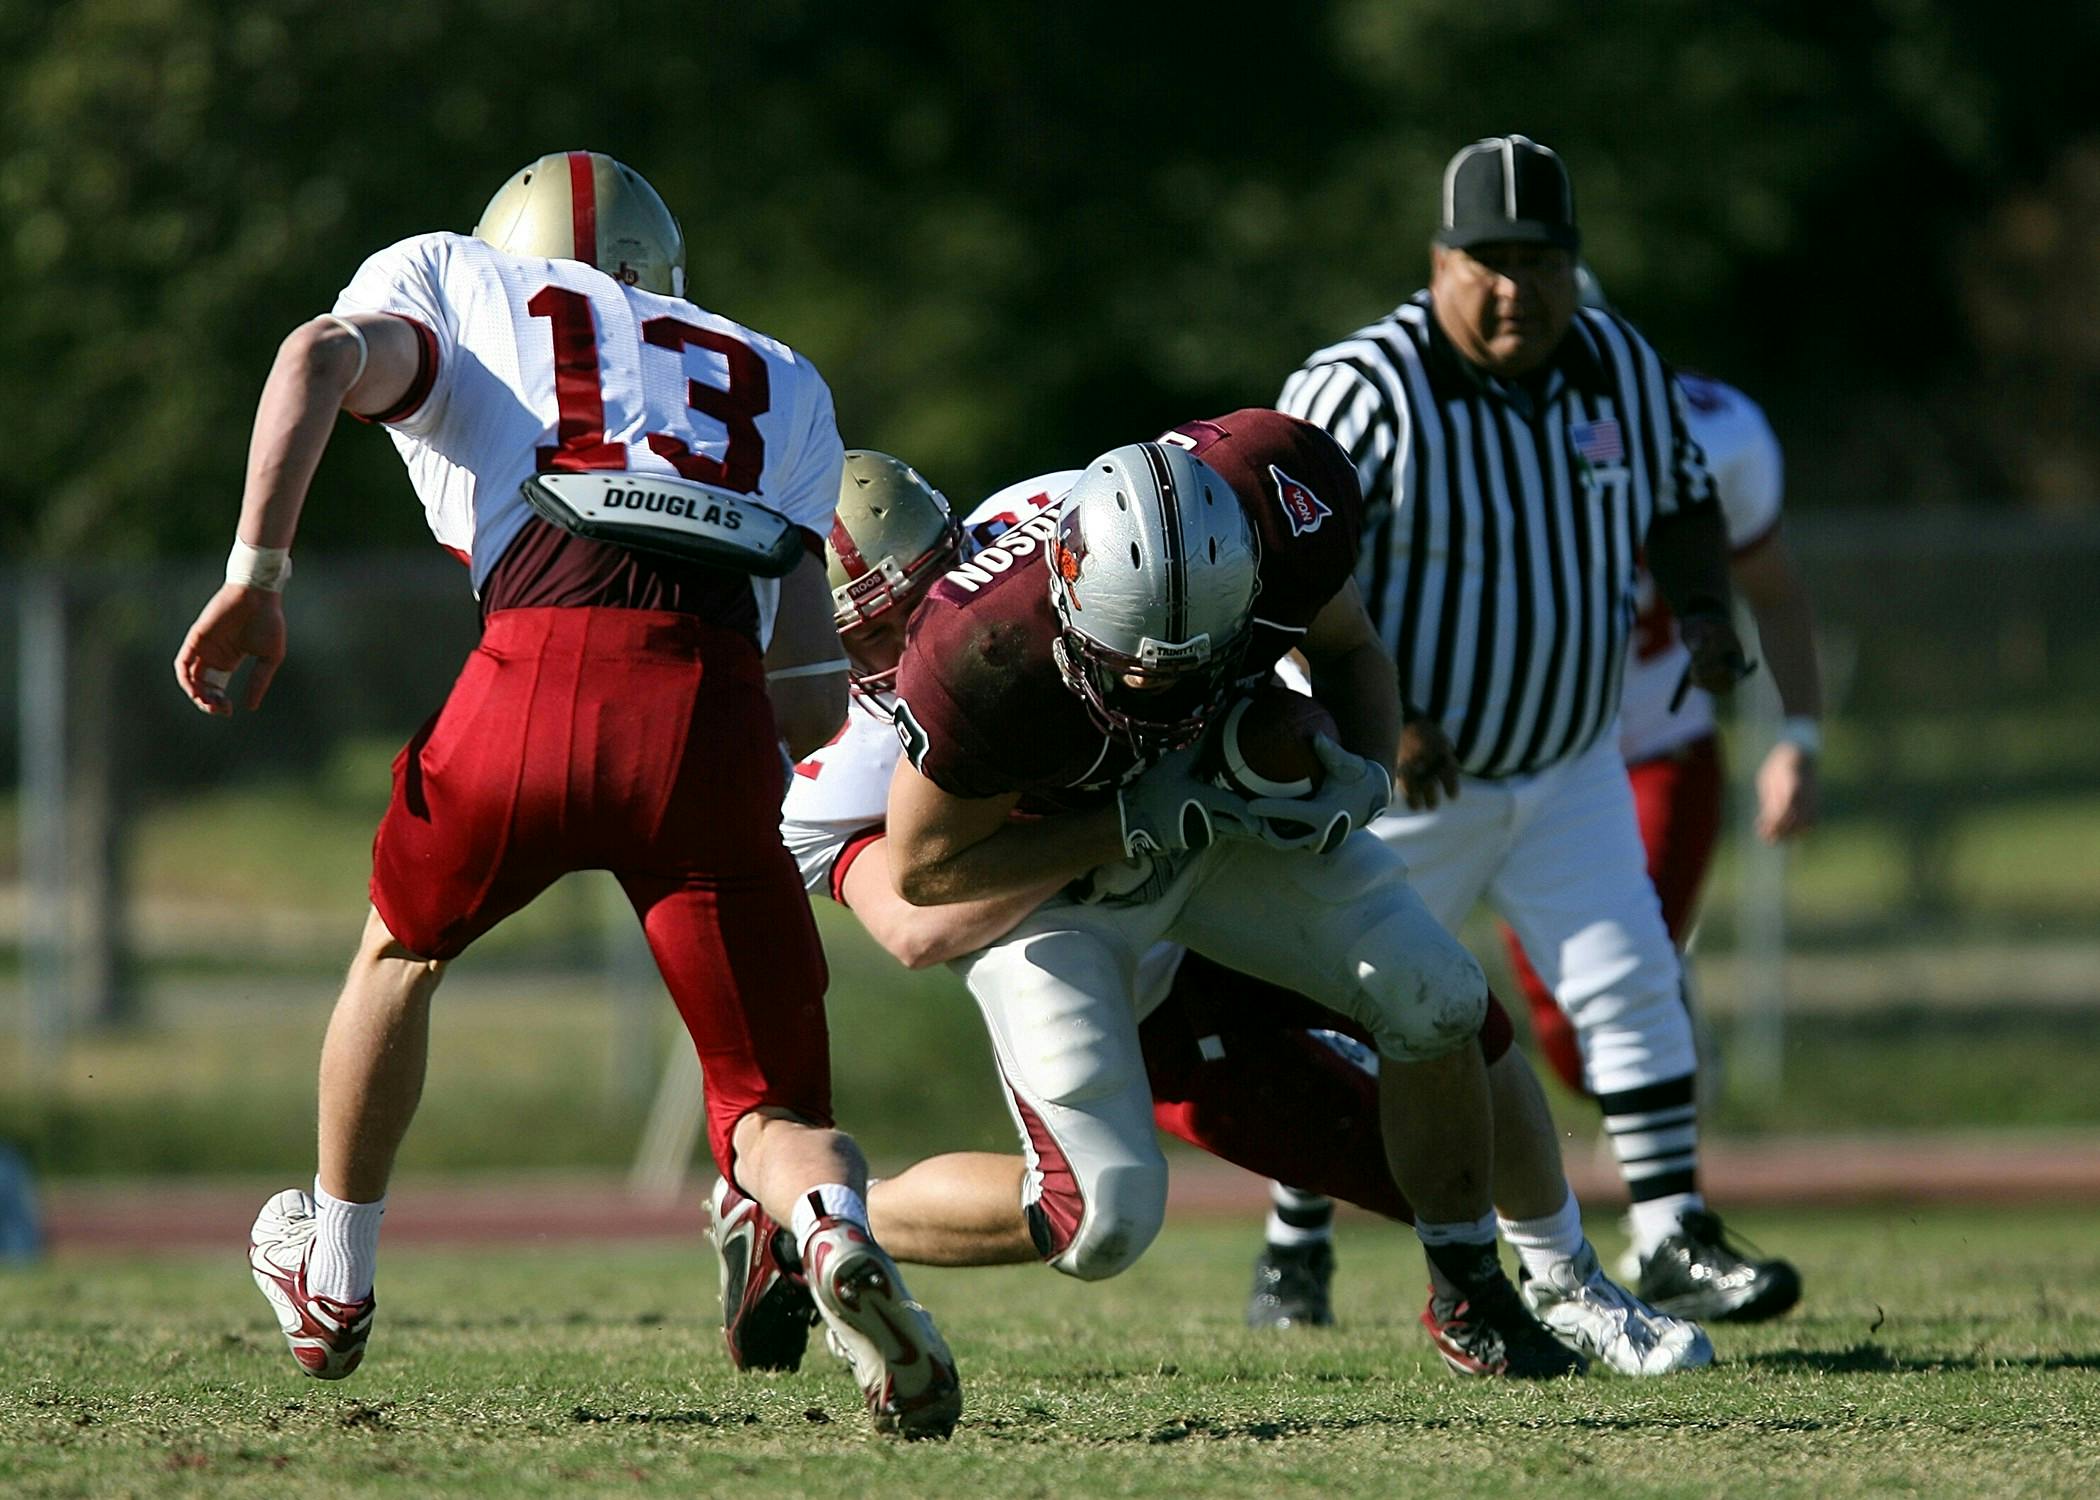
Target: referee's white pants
(1062, 995)
(1558, 856)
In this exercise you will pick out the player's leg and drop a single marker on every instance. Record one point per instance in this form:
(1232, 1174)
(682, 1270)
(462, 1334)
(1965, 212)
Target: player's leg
(740, 956)
(1452, 869)
(443, 873)
(1576, 889)
(1347, 932)
(1056, 996)
(958, 1209)
(1677, 800)
(1261, 1077)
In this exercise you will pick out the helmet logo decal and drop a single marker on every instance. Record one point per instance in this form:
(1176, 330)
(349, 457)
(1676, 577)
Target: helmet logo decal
(1302, 509)
(1068, 553)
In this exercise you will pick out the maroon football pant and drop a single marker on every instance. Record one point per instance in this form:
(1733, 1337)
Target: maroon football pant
(1236, 1072)
(639, 742)
(1677, 798)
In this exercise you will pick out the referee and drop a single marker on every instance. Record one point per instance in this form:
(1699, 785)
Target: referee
(1519, 455)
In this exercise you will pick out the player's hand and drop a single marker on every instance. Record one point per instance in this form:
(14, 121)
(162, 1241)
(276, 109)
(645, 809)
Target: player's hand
(1428, 768)
(1787, 798)
(1718, 662)
(239, 623)
(1171, 810)
(1352, 792)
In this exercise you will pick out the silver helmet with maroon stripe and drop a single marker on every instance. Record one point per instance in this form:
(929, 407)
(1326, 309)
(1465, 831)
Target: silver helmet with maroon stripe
(892, 537)
(1153, 573)
(583, 205)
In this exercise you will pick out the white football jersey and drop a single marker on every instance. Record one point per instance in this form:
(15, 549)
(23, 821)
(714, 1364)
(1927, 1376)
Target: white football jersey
(1743, 455)
(532, 365)
(842, 791)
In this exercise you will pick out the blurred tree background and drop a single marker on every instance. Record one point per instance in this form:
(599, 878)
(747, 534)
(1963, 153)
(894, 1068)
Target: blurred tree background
(1011, 237)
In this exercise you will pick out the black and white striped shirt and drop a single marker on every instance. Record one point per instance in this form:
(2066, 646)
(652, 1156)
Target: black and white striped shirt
(1505, 520)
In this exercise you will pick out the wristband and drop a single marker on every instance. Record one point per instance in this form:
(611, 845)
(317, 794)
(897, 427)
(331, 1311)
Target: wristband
(1803, 733)
(267, 568)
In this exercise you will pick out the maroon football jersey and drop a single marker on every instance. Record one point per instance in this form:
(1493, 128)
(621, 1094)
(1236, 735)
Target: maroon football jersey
(982, 708)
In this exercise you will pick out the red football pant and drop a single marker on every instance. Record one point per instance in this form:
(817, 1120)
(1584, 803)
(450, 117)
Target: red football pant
(1677, 798)
(1235, 1072)
(640, 742)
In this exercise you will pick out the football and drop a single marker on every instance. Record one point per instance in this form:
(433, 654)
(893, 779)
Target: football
(1263, 745)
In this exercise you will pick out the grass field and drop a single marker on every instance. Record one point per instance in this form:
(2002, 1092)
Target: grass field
(1944, 1353)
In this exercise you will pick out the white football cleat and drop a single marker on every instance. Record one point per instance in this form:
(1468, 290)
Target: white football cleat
(906, 1374)
(1592, 1314)
(327, 1336)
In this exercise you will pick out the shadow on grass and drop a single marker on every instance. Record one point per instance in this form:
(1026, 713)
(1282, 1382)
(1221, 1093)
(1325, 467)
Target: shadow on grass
(1873, 1359)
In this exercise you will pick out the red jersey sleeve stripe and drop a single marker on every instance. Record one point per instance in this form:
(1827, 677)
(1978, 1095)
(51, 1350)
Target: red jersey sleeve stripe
(419, 388)
(856, 846)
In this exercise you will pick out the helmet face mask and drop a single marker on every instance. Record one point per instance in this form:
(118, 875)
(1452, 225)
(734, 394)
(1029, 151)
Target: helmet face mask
(583, 205)
(893, 536)
(1153, 574)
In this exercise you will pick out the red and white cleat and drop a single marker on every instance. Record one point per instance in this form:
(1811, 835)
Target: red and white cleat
(766, 1306)
(327, 1336)
(906, 1374)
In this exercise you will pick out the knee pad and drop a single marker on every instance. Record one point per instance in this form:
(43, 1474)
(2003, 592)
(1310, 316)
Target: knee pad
(1425, 995)
(1121, 1214)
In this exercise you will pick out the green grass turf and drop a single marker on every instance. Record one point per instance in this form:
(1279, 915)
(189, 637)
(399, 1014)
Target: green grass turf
(1946, 1353)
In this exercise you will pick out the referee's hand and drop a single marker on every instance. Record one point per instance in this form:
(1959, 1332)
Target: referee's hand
(1718, 662)
(1427, 769)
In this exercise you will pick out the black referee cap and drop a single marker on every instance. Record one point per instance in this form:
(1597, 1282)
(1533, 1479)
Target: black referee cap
(1507, 188)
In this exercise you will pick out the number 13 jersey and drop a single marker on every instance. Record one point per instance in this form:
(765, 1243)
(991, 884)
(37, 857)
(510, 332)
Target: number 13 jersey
(532, 366)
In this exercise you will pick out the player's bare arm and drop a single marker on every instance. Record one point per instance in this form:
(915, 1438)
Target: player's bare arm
(1688, 554)
(363, 363)
(1353, 677)
(921, 936)
(1769, 582)
(944, 848)
(805, 665)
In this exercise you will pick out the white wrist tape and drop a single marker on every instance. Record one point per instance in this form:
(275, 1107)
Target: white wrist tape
(364, 350)
(809, 669)
(259, 567)
(1803, 733)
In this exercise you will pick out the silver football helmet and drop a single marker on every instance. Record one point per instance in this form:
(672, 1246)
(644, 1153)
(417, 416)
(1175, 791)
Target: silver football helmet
(1153, 573)
(892, 537)
(583, 205)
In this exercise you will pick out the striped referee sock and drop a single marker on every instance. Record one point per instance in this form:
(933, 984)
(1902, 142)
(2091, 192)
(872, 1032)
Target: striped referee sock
(1654, 1133)
(1298, 1219)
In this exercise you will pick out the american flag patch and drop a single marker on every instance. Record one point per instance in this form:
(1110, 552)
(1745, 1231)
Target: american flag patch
(1599, 442)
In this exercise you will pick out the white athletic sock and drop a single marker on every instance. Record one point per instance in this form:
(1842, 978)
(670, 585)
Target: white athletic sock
(346, 1247)
(1657, 1219)
(1298, 1219)
(1545, 1242)
(829, 1200)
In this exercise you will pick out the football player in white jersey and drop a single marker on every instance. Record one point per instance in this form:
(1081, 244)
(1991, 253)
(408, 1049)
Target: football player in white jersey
(640, 489)
(1671, 744)
(1238, 1068)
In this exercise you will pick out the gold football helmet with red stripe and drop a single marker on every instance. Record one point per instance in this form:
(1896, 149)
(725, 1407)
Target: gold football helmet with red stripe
(893, 536)
(583, 205)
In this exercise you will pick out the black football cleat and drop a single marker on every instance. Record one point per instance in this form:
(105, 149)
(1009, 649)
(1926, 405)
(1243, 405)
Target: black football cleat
(1697, 1273)
(1290, 1287)
(1492, 1332)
